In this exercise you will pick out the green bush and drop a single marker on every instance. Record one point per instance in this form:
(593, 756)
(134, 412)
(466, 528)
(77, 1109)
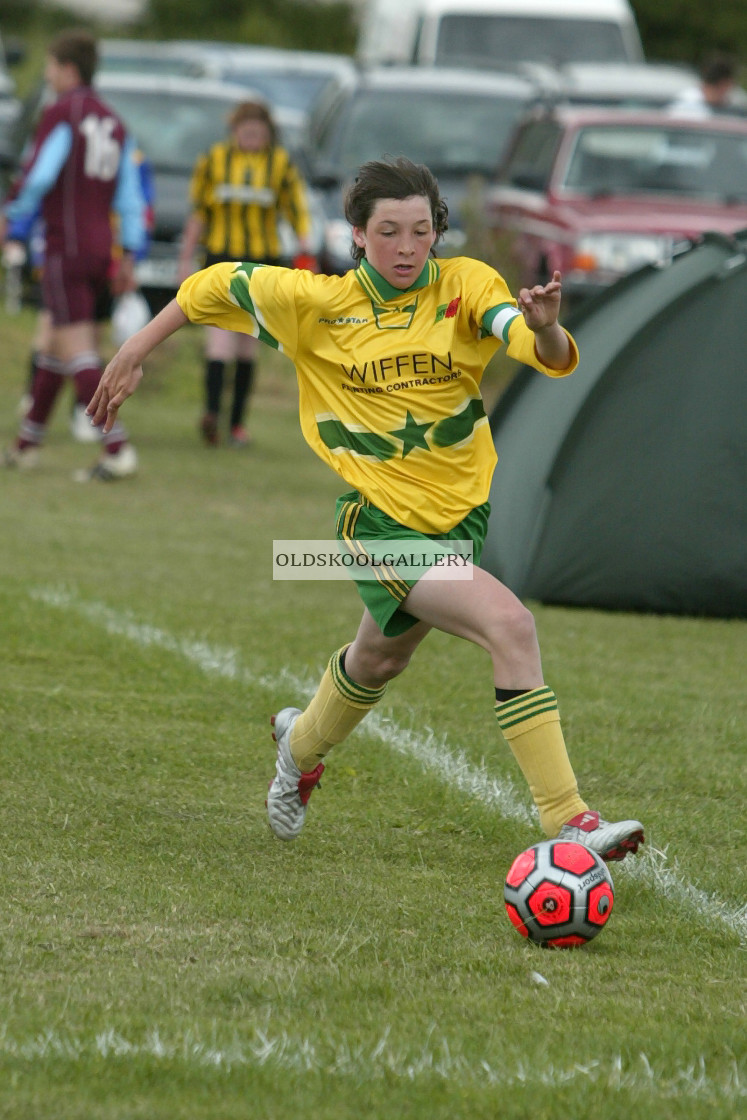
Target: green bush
(17, 15)
(287, 23)
(686, 30)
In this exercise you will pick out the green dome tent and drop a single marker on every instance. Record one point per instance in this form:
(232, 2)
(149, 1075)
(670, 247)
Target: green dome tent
(625, 486)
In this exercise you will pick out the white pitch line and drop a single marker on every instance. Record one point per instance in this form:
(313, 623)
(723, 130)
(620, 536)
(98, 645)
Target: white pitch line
(433, 1060)
(432, 752)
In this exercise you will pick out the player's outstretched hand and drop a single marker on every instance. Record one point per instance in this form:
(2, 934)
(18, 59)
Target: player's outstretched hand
(119, 381)
(124, 372)
(540, 305)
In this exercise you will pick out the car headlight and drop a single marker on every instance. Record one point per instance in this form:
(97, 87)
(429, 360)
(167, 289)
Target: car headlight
(614, 254)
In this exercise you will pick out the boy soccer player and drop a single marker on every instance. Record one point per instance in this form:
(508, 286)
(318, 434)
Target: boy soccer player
(80, 170)
(389, 359)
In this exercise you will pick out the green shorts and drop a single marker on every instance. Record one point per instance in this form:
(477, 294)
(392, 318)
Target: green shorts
(358, 520)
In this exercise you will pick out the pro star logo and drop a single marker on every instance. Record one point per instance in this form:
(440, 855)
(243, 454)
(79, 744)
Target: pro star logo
(341, 320)
(447, 310)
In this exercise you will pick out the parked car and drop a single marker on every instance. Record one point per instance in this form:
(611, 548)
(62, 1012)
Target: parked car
(10, 107)
(623, 85)
(632, 85)
(148, 56)
(456, 122)
(596, 193)
(173, 120)
(291, 81)
(497, 34)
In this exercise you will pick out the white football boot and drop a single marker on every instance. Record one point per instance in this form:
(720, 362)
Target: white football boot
(290, 789)
(21, 459)
(81, 427)
(611, 841)
(109, 468)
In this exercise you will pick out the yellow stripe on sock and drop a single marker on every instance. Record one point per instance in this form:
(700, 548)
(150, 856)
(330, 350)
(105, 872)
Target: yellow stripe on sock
(525, 707)
(526, 697)
(530, 723)
(349, 689)
(506, 724)
(337, 707)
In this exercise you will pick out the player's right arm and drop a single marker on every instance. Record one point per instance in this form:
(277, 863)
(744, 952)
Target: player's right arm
(42, 173)
(219, 296)
(124, 372)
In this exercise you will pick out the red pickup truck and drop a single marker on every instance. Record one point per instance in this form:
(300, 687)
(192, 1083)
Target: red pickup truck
(597, 193)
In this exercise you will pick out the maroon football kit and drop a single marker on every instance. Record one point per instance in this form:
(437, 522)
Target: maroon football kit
(82, 136)
(77, 211)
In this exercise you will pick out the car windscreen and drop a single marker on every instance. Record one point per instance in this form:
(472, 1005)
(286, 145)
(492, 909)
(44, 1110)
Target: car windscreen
(643, 160)
(281, 87)
(502, 41)
(452, 132)
(170, 66)
(172, 130)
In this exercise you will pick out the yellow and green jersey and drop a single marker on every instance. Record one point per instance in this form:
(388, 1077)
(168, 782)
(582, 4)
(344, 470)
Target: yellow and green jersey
(240, 196)
(389, 380)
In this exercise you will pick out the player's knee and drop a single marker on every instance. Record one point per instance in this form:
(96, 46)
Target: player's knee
(393, 664)
(384, 666)
(511, 625)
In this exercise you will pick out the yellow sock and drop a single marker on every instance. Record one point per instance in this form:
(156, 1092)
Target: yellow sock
(531, 725)
(335, 710)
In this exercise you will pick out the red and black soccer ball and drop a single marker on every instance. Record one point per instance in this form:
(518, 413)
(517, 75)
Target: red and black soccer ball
(559, 894)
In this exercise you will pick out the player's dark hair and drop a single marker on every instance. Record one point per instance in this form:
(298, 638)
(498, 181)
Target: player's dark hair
(78, 48)
(393, 178)
(254, 111)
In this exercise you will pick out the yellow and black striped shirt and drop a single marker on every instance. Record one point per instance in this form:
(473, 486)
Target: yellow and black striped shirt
(241, 195)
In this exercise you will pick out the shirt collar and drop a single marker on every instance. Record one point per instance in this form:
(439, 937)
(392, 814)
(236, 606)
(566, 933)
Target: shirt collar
(379, 289)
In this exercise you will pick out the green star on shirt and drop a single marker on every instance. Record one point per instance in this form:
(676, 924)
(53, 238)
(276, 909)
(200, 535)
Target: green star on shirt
(412, 435)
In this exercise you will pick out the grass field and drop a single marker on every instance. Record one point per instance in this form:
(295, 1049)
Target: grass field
(164, 957)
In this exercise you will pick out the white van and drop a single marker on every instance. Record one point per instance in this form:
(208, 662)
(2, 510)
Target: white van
(499, 34)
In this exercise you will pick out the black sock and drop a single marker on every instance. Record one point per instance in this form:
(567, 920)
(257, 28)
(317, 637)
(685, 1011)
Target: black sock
(213, 385)
(242, 387)
(504, 694)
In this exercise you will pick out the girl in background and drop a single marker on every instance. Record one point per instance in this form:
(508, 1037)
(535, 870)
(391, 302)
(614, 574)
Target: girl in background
(241, 189)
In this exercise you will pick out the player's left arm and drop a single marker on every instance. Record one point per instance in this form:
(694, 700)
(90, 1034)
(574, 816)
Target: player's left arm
(129, 201)
(205, 297)
(540, 307)
(131, 207)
